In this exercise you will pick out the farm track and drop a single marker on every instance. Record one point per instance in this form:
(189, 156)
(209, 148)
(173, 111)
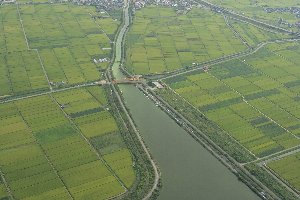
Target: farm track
(118, 53)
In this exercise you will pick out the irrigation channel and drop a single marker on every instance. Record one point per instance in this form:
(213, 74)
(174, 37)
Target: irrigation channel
(188, 170)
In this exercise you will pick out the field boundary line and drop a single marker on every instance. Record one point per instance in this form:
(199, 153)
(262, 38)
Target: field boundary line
(100, 158)
(36, 50)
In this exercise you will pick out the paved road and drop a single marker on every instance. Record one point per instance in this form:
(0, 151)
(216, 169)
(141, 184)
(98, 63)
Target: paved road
(48, 92)
(219, 60)
(117, 72)
(244, 18)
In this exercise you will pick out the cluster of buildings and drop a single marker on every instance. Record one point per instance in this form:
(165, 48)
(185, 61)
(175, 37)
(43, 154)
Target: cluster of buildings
(102, 4)
(57, 84)
(179, 4)
(293, 10)
(101, 60)
(7, 1)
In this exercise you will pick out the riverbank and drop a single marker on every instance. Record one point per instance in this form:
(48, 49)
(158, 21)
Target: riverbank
(148, 184)
(209, 145)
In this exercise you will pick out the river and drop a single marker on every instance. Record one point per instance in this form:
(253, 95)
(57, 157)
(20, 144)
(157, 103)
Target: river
(189, 171)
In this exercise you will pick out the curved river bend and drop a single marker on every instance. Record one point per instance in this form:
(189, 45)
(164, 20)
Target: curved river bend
(189, 171)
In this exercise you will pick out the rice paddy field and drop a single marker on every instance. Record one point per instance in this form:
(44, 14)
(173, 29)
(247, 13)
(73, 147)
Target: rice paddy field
(289, 169)
(254, 99)
(162, 40)
(255, 9)
(64, 39)
(63, 146)
(68, 144)
(20, 69)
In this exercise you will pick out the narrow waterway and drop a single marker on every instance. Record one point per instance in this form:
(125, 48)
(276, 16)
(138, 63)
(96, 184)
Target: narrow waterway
(189, 171)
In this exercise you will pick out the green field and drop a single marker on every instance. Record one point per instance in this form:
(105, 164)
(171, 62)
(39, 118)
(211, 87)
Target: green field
(67, 145)
(289, 169)
(64, 39)
(47, 152)
(255, 99)
(161, 40)
(20, 69)
(67, 48)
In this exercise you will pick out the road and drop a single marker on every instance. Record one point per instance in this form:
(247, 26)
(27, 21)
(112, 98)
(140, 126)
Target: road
(116, 72)
(219, 60)
(48, 92)
(244, 18)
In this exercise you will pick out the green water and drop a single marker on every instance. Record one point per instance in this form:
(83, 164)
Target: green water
(189, 171)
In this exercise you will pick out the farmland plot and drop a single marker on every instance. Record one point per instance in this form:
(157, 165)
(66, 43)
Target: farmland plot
(71, 48)
(288, 168)
(20, 69)
(254, 35)
(69, 41)
(254, 99)
(161, 40)
(44, 153)
(90, 112)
